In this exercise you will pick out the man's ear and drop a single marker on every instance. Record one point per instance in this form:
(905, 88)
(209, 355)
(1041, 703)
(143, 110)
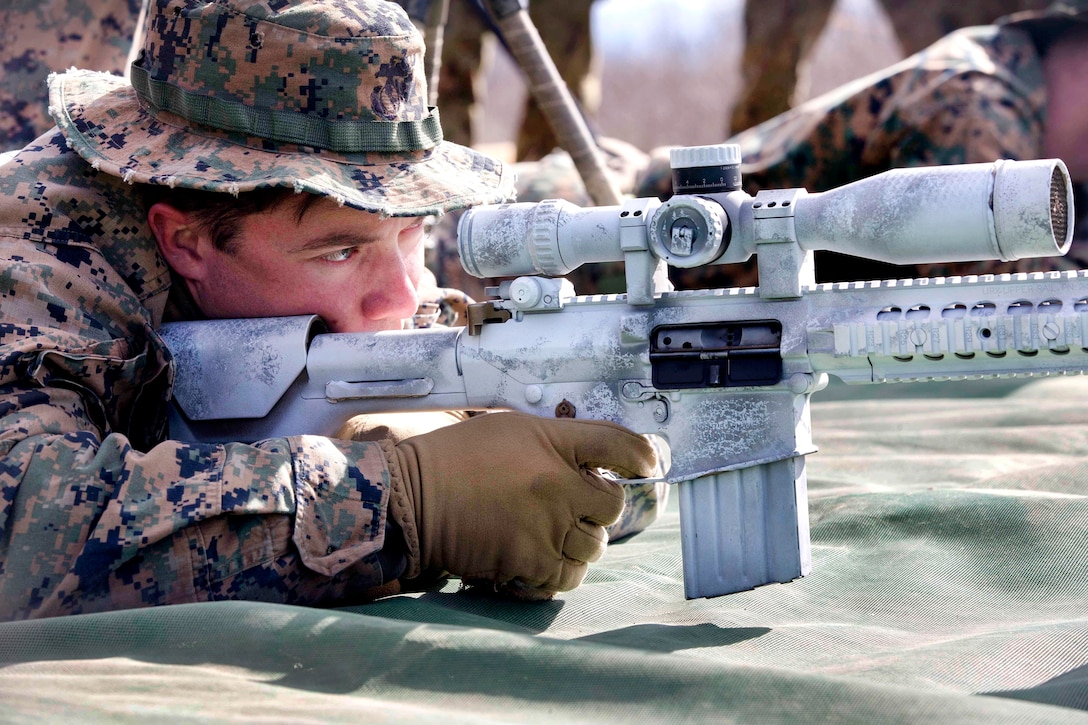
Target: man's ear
(182, 242)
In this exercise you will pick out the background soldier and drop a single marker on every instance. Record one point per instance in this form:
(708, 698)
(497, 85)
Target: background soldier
(564, 26)
(779, 35)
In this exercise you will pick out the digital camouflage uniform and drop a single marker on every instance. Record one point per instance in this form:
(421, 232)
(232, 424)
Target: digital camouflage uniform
(780, 34)
(38, 37)
(99, 510)
(564, 28)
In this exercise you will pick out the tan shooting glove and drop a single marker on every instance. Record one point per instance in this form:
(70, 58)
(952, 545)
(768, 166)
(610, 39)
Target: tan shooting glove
(513, 499)
(396, 427)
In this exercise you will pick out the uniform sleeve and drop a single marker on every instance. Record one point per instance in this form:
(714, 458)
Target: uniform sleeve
(970, 118)
(90, 523)
(901, 121)
(976, 95)
(41, 37)
(98, 512)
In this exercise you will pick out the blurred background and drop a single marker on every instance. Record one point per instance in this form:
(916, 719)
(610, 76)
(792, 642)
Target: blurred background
(669, 72)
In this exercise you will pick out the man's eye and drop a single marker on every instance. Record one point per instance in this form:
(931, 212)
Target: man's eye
(340, 255)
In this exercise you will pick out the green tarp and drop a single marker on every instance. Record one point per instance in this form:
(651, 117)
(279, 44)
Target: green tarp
(949, 584)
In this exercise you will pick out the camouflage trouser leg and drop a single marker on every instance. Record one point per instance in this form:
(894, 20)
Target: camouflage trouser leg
(460, 83)
(778, 35)
(564, 26)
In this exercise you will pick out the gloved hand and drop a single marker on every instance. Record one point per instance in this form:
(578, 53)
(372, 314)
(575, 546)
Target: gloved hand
(396, 426)
(513, 499)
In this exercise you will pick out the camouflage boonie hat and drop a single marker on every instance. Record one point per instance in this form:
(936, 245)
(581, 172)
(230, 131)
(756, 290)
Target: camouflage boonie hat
(326, 96)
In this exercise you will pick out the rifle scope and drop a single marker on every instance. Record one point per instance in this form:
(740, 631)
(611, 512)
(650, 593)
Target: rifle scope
(1006, 210)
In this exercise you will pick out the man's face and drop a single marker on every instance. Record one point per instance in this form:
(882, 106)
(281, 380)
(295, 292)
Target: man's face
(358, 271)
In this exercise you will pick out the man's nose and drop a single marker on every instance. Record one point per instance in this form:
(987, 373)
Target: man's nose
(391, 293)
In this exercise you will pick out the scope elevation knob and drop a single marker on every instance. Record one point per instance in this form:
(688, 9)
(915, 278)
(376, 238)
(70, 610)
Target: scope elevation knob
(705, 169)
(688, 231)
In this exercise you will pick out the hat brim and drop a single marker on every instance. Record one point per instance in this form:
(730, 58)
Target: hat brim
(103, 121)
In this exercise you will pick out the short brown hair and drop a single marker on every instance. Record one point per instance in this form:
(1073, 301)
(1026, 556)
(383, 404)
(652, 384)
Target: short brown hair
(219, 213)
